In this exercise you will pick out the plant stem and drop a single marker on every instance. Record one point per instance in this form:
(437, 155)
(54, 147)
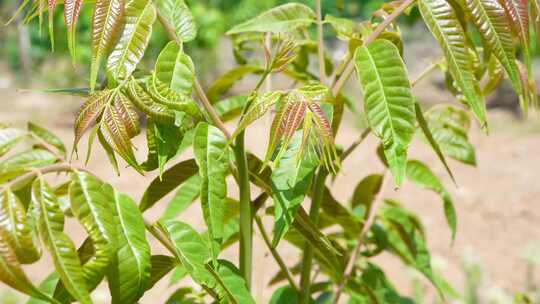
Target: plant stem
(161, 238)
(58, 167)
(367, 226)
(355, 144)
(317, 197)
(275, 254)
(426, 72)
(320, 43)
(340, 82)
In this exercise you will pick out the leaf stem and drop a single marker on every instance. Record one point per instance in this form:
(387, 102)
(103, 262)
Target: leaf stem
(320, 43)
(317, 197)
(426, 72)
(355, 144)
(367, 226)
(340, 82)
(58, 167)
(274, 253)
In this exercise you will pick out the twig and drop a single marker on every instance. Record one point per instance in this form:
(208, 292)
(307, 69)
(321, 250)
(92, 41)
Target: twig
(320, 43)
(355, 144)
(367, 226)
(340, 82)
(426, 72)
(161, 238)
(274, 253)
(59, 167)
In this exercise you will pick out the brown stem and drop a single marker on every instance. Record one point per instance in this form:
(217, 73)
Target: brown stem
(355, 144)
(340, 82)
(367, 226)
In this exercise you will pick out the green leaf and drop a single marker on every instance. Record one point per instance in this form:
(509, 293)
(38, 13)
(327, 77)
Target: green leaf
(50, 225)
(47, 287)
(285, 295)
(138, 20)
(431, 140)
(106, 23)
(284, 18)
(230, 108)
(129, 273)
(364, 194)
(388, 102)
(449, 126)
(441, 20)
(91, 202)
(160, 266)
(27, 160)
(290, 181)
(335, 212)
(406, 238)
(186, 194)
(47, 137)
(175, 68)
(492, 23)
(192, 251)
(179, 17)
(343, 27)
(171, 178)
(89, 113)
(421, 175)
(9, 137)
(232, 286)
(224, 82)
(211, 154)
(260, 105)
(13, 275)
(72, 9)
(17, 232)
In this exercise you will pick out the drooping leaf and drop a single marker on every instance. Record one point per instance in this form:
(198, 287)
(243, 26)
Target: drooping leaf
(442, 21)
(179, 17)
(421, 175)
(290, 181)
(129, 273)
(210, 149)
(224, 82)
(186, 194)
(335, 213)
(91, 202)
(9, 137)
(47, 137)
(449, 126)
(364, 194)
(175, 68)
(284, 18)
(431, 140)
(106, 23)
(13, 275)
(89, 112)
(47, 287)
(17, 233)
(491, 21)
(72, 9)
(388, 102)
(138, 20)
(171, 178)
(50, 225)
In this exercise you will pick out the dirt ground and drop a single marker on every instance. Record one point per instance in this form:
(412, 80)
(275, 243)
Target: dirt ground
(497, 202)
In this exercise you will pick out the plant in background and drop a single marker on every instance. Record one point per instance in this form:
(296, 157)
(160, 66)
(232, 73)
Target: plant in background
(301, 155)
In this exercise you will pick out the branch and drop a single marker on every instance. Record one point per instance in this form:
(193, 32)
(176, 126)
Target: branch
(367, 226)
(340, 82)
(58, 167)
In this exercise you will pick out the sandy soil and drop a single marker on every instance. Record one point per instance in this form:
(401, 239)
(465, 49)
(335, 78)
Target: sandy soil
(497, 202)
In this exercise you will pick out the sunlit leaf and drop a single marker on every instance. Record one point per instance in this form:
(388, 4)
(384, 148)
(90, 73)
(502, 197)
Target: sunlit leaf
(47, 136)
(388, 102)
(232, 287)
(179, 17)
(210, 149)
(106, 23)
(138, 20)
(129, 273)
(284, 18)
(441, 20)
(186, 194)
(17, 232)
(50, 225)
(89, 113)
(259, 106)
(175, 68)
(9, 137)
(161, 266)
(27, 159)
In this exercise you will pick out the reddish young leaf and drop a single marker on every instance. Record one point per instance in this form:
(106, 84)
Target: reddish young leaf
(88, 114)
(72, 9)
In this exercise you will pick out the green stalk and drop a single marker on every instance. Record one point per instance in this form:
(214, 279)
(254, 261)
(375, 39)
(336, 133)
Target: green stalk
(307, 261)
(246, 224)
